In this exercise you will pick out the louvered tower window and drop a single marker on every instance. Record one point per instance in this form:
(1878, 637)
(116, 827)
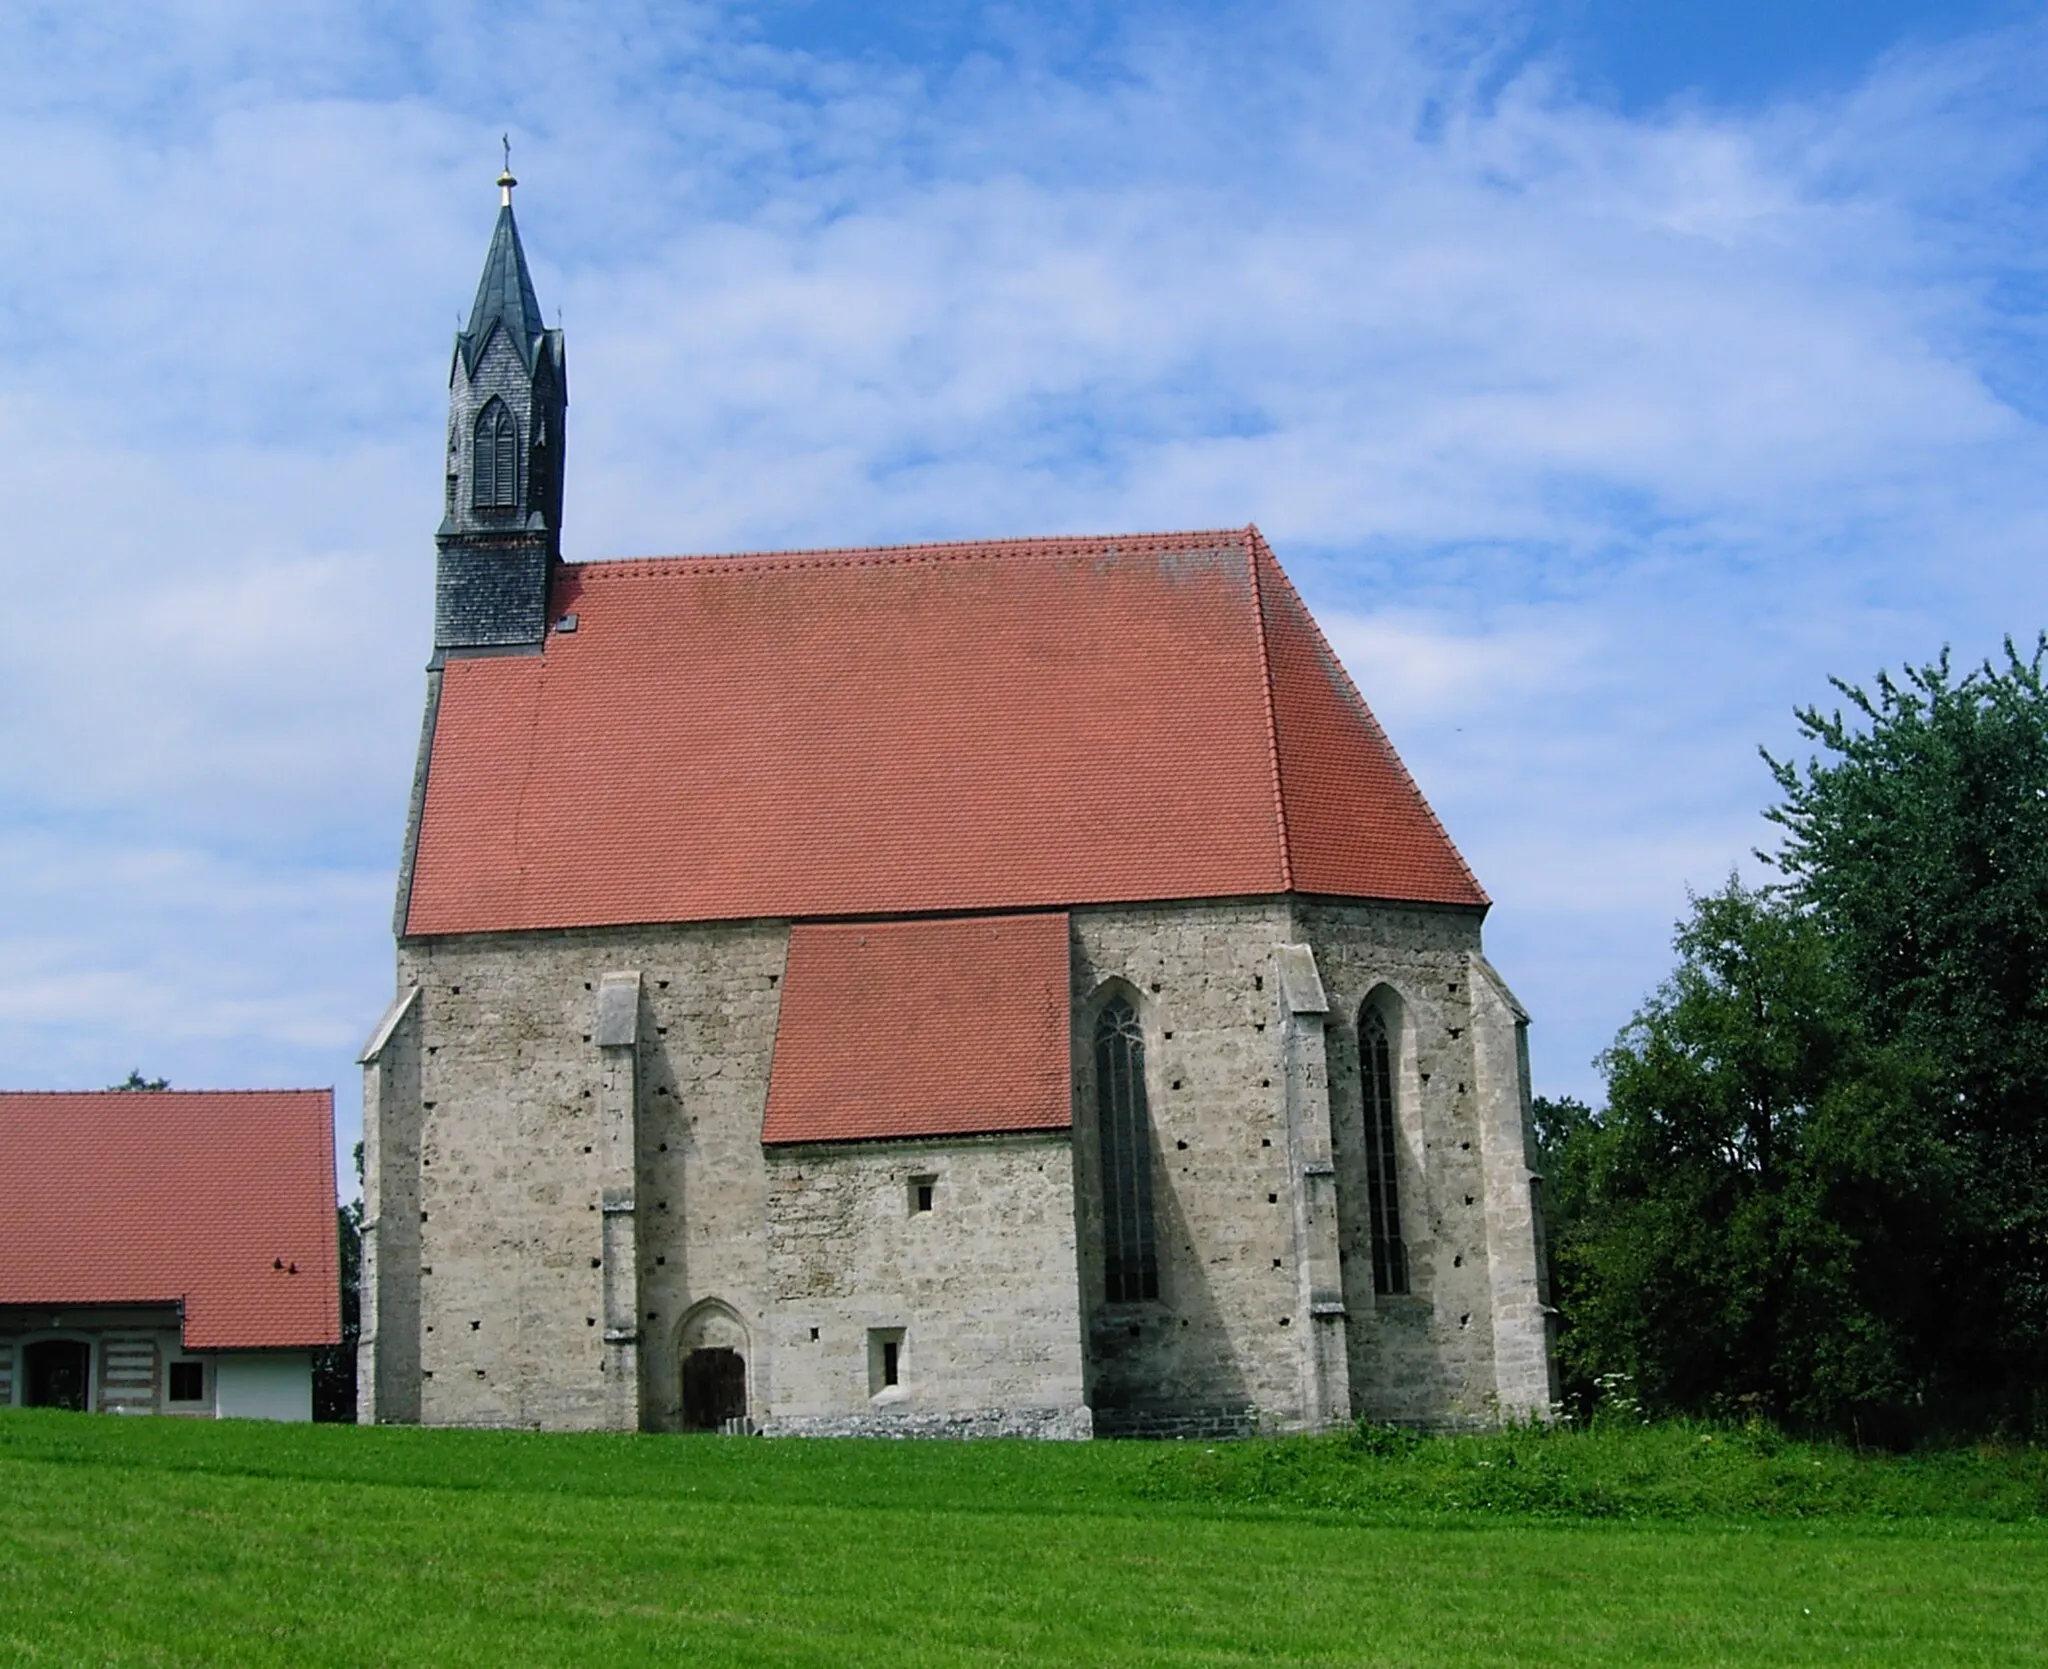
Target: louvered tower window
(494, 477)
(1382, 1191)
(1131, 1262)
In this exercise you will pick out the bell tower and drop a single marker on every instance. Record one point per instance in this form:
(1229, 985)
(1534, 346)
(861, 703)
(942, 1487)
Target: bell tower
(508, 395)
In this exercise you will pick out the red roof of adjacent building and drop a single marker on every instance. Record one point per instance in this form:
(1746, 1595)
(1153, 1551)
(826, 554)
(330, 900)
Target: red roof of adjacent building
(222, 1200)
(872, 1040)
(930, 728)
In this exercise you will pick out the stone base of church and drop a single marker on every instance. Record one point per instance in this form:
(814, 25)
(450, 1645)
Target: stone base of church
(1178, 1423)
(1062, 1425)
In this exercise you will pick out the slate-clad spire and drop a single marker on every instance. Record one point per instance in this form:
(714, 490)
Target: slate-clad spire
(508, 398)
(504, 297)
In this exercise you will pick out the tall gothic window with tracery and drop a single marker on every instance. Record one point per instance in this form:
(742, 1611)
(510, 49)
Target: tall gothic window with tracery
(1130, 1258)
(1382, 1190)
(494, 477)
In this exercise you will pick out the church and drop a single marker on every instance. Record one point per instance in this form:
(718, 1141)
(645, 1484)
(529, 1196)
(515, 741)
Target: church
(1009, 987)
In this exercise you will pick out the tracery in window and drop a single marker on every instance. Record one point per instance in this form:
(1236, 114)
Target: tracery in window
(1130, 1258)
(1382, 1189)
(494, 473)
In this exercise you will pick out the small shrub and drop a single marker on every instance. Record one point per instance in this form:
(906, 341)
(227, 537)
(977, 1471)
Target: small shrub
(1615, 1402)
(1370, 1437)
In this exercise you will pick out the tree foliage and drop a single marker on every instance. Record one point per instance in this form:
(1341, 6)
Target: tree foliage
(135, 1081)
(1750, 1225)
(1819, 1189)
(334, 1368)
(1919, 841)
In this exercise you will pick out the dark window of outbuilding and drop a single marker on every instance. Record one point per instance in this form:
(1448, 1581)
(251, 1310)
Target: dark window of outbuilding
(1130, 1259)
(188, 1382)
(1382, 1189)
(58, 1372)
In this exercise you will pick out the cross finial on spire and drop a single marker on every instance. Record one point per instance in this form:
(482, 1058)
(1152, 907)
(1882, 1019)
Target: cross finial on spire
(505, 180)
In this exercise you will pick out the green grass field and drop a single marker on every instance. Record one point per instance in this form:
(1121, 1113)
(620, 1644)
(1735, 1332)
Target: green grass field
(147, 1541)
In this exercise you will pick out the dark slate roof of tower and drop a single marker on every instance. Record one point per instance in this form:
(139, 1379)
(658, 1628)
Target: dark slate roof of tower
(504, 297)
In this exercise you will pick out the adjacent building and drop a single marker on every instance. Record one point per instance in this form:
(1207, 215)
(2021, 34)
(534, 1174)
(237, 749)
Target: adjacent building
(167, 1252)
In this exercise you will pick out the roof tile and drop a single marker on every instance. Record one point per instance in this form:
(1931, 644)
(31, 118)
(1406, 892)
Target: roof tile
(209, 1197)
(923, 729)
(921, 1028)
(1356, 823)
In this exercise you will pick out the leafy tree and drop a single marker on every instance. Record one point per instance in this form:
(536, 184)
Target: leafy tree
(334, 1369)
(1754, 1222)
(1918, 839)
(1568, 1140)
(135, 1080)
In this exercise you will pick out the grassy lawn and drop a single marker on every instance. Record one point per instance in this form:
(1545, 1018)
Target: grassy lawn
(137, 1541)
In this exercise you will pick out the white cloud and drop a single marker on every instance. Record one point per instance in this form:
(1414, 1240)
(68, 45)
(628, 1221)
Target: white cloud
(1421, 667)
(1597, 441)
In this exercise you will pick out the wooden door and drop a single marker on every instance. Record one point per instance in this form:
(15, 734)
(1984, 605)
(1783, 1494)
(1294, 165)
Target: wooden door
(714, 1388)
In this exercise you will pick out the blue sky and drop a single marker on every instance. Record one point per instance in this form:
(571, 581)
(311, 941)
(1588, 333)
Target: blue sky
(1606, 375)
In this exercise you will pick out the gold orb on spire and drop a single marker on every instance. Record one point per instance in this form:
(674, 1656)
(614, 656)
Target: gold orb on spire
(505, 180)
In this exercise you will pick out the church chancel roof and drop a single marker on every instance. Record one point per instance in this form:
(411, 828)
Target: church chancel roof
(925, 729)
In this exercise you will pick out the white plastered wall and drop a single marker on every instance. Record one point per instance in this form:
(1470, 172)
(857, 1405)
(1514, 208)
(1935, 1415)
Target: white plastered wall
(264, 1385)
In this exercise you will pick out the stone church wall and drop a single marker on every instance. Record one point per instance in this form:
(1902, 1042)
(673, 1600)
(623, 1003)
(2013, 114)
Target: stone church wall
(978, 1290)
(500, 1234)
(1433, 1355)
(1216, 1353)
(1251, 1105)
(502, 1276)
(511, 1234)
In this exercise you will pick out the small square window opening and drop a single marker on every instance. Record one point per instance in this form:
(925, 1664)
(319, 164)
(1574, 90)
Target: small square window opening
(188, 1382)
(885, 1359)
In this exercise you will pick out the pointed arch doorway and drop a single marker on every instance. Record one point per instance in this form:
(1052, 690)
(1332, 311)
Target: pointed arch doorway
(713, 1346)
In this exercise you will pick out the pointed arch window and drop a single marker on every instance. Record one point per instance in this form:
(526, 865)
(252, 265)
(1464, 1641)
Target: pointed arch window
(1123, 1122)
(1382, 1188)
(494, 476)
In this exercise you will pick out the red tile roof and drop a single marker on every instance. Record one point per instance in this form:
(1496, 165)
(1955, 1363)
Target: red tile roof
(935, 728)
(1357, 826)
(921, 1028)
(201, 1196)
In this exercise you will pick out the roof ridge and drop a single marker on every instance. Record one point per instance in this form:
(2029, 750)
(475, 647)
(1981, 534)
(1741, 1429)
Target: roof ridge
(304, 1089)
(1371, 718)
(924, 550)
(1253, 544)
